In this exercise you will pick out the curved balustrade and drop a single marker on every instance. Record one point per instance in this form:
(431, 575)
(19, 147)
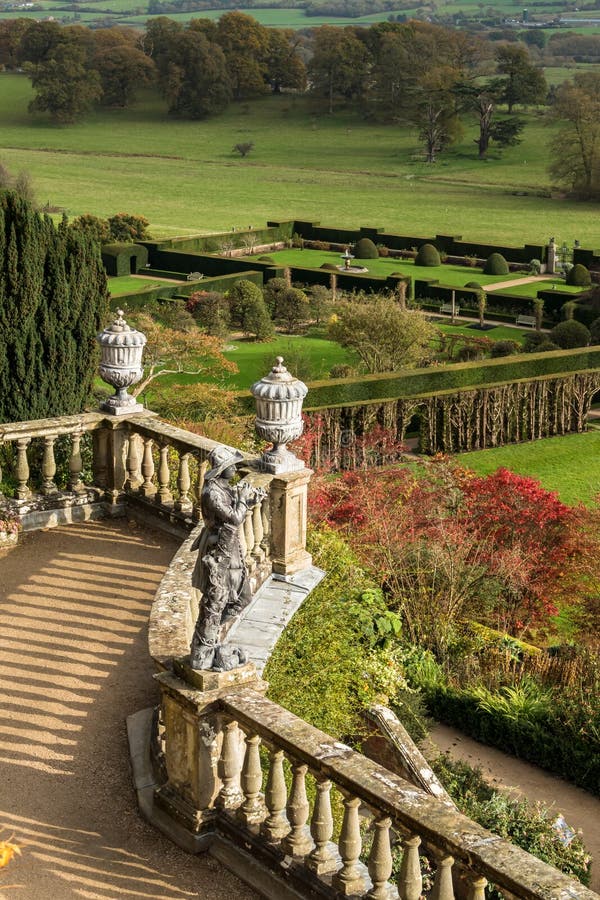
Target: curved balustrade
(385, 824)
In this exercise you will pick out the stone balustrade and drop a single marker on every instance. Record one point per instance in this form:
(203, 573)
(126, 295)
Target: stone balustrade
(153, 470)
(239, 768)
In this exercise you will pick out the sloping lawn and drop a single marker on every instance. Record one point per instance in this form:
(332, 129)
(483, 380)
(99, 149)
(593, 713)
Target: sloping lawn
(569, 464)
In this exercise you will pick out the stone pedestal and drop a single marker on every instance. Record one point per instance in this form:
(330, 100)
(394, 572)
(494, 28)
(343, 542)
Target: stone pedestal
(194, 731)
(288, 522)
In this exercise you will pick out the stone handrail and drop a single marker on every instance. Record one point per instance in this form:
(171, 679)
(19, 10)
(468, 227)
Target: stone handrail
(215, 773)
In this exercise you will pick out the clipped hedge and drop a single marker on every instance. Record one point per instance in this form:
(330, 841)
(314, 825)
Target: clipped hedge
(366, 249)
(428, 255)
(555, 739)
(495, 264)
(407, 383)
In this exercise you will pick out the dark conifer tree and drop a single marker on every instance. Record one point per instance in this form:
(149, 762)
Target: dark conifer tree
(53, 301)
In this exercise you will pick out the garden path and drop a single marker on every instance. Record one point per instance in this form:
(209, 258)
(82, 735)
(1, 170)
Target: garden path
(505, 772)
(74, 606)
(513, 282)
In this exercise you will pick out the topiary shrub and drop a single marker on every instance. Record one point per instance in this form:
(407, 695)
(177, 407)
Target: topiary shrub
(570, 334)
(474, 285)
(546, 345)
(366, 249)
(579, 276)
(495, 264)
(331, 267)
(428, 256)
(595, 332)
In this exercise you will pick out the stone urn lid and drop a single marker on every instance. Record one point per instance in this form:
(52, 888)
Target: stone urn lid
(120, 334)
(279, 384)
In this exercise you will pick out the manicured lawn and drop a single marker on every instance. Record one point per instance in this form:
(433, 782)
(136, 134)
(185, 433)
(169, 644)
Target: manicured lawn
(569, 464)
(531, 289)
(125, 284)
(445, 274)
(340, 170)
(497, 333)
(307, 356)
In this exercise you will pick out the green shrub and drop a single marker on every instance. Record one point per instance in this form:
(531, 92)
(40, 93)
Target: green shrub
(495, 264)
(330, 661)
(546, 345)
(595, 332)
(474, 285)
(503, 348)
(330, 267)
(249, 311)
(579, 276)
(528, 825)
(366, 249)
(427, 256)
(570, 334)
(266, 259)
(128, 227)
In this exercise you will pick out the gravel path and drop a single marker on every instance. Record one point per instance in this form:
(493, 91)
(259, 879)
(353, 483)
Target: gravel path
(74, 604)
(507, 773)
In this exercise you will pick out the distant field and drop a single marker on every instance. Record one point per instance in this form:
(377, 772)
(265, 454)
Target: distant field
(184, 177)
(569, 464)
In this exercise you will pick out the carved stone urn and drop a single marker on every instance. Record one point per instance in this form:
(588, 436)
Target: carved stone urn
(121, 364)
(279, 398)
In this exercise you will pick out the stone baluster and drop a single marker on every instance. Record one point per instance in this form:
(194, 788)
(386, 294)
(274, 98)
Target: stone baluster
(252, 810)
(75, 484)
(265, 514)
(163, 495)
(197, 510)
(380, 861)
(276, 826)
(230, 795)
(410, 880)
(323, 858)
(148, 489)
(49, 466)
(22, 491)
(349, 879)
(100, 456)
(134, 473)
(242, 537)
(257, 526)
(298, 842)
(442, 886)
(477, 886)
(184, 482)
(249, 539)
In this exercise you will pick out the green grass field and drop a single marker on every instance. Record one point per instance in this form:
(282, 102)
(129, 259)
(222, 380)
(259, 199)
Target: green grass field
(531, 289)
(125, 284)
(569, 464)
(184, 178)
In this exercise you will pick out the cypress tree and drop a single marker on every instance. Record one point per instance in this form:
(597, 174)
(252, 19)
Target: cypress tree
(53, 301)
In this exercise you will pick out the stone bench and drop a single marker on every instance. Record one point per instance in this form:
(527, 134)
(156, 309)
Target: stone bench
(525, 320)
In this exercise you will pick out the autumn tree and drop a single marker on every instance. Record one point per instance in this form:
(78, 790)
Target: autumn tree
(64, 84)
(385, 336)
(178, 347)
(197, 82)
(123, 69)
(284, 65)
(339, 64)
(246, 45)
(576, 147)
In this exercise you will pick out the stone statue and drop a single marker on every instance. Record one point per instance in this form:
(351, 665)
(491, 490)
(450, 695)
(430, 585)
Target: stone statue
(219, 576)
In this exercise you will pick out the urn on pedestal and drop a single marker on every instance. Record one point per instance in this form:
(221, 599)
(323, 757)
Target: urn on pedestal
(279, 399)
(121, 364)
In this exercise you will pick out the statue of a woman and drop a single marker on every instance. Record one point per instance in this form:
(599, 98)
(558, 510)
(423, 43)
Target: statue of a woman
(219, 575)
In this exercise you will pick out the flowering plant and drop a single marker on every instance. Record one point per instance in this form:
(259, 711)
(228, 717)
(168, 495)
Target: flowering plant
(9, 522)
